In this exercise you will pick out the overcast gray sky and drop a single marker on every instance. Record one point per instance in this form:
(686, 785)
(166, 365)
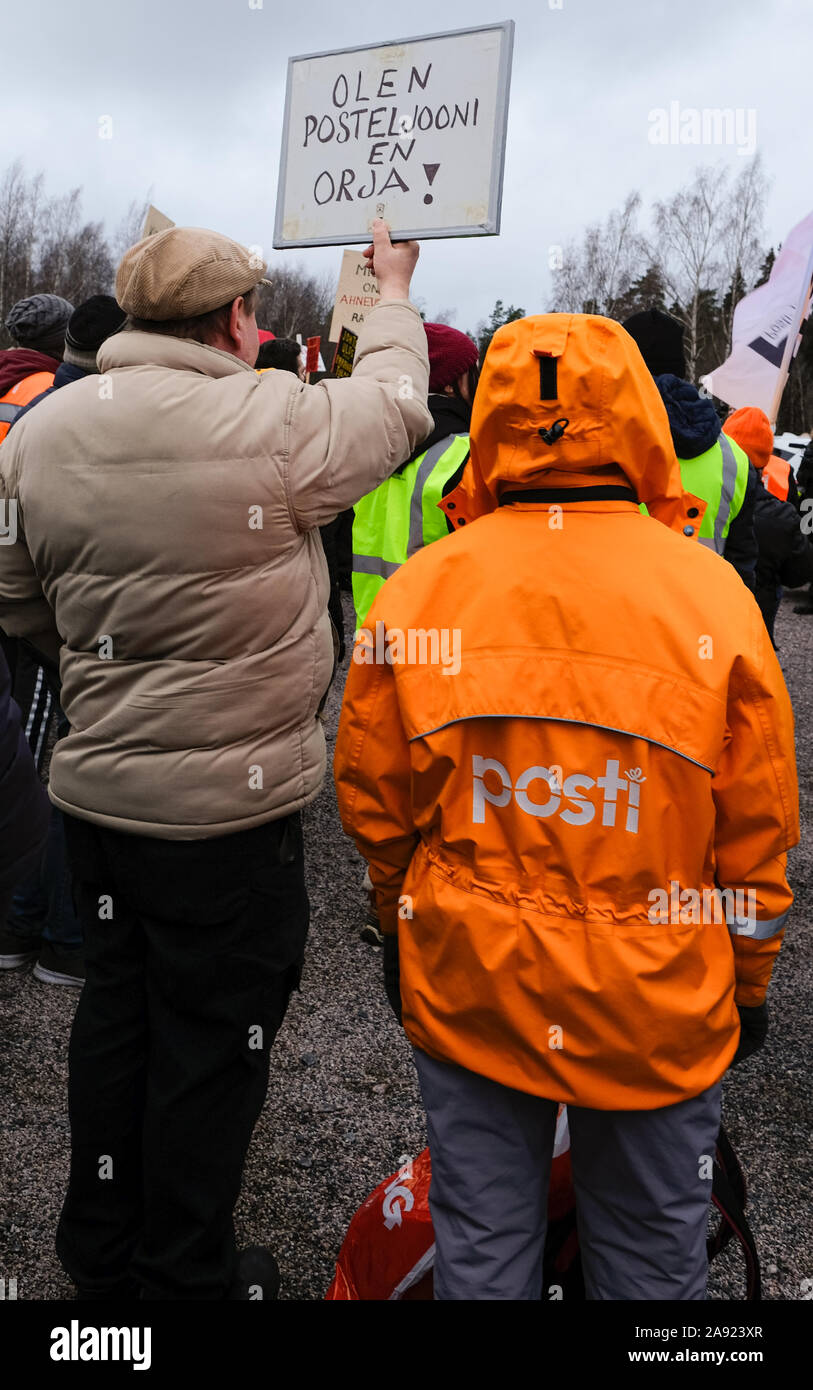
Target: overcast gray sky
(196, 90)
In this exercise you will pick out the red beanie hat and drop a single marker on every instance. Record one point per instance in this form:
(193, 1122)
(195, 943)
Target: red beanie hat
(451, 354)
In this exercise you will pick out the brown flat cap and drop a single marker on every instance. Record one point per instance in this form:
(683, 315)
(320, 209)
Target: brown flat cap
(184, 271)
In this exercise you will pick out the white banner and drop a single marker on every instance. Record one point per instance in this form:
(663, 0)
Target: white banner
(766, 326)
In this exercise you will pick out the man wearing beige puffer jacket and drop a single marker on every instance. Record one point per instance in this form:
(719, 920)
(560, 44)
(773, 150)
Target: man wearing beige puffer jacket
(167, 550)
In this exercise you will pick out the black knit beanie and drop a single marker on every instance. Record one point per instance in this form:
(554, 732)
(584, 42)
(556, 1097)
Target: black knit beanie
(90, 323)
(660, 341)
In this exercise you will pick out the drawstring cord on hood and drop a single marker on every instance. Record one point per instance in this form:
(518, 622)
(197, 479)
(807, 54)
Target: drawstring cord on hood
(556, 431)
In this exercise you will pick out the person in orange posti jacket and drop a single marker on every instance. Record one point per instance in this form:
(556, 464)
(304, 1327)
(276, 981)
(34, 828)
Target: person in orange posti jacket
(564, 734)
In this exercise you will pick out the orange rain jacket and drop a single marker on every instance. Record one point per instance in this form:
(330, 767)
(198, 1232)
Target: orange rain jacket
(588, 733)
(20, 395)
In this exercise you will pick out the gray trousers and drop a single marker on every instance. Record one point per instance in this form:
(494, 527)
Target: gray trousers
(642, 1181)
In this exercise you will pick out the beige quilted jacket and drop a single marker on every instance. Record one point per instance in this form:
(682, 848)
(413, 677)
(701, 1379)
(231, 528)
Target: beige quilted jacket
(167, 546)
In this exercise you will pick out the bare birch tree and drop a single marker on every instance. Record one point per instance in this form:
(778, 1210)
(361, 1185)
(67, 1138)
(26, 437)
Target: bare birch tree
(707, 245)
(741, 239)
(45, 247)
(131, 226)
(296, 302)
(596, 273)
(686, 249)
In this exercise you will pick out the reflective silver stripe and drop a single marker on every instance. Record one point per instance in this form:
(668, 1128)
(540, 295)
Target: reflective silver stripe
(46, 720)
(557, 719)
(9, 413)
(373, 564)
(756, 930)
(425, 468)
(727, 491)
(39, 684)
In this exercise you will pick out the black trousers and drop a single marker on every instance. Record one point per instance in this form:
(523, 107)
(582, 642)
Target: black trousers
(192, 949)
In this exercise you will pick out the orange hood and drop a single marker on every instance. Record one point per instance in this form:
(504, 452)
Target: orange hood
(751, 429)
(589, 371)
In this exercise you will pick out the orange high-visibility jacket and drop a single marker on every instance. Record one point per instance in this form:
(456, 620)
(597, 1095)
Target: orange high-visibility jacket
(776, 477)
(19, 396)
(566, 727)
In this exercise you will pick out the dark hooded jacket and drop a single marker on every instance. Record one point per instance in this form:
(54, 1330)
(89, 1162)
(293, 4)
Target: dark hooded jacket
(695, 427)
(804, 477)
(24, 806)
(785, 552)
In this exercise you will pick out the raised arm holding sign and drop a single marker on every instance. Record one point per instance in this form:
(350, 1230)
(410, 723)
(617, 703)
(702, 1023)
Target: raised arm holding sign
(392, 264)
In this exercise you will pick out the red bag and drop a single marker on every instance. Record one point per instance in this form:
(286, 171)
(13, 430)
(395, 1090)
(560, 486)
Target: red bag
(389, 1250)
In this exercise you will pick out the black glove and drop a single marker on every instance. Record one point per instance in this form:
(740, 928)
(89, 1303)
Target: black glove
(392, 974)
(753, 1031)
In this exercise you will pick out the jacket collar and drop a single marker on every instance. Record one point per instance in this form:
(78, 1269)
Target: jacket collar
(68, 372)
(575, 504)
(134, 348)
(450, 414)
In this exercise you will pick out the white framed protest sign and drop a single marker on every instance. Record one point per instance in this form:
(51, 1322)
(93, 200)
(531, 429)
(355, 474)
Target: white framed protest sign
(412, 131)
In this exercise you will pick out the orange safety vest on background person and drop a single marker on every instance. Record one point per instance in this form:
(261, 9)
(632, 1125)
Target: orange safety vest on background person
(19, 396)
(564, 729)
(776, 477)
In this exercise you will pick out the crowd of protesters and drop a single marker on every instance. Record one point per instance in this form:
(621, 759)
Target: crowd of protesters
(182, 510)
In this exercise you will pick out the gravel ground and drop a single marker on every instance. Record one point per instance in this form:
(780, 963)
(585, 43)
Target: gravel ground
(343, 1104)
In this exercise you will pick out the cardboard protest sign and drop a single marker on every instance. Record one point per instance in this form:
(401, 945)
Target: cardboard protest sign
(312, 358)
(357, 294)
(413, 132)
(155, 221)
(306, 347)
(345, 353)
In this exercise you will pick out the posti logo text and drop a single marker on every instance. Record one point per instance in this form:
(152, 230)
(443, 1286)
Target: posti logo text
(547, 791)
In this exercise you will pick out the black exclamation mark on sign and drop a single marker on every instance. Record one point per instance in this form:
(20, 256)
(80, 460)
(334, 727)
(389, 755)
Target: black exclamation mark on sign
(430, 170)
